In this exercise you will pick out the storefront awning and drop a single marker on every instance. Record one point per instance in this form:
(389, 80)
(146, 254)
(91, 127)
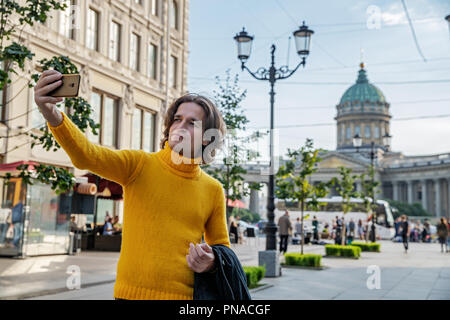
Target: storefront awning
(115, 189)
(13, 165)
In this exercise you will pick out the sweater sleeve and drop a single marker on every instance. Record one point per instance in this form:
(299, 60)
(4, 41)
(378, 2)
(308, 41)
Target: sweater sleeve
(120, 166)
(216, 231)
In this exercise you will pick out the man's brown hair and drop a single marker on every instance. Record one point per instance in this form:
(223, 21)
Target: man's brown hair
(213, 119)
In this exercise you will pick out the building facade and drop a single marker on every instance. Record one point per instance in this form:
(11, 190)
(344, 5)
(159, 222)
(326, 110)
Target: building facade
(132, 58)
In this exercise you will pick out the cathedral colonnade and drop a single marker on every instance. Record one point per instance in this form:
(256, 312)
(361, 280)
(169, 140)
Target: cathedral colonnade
(432, 193)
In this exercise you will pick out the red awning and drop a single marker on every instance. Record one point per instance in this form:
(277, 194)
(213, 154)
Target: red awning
(236, 203)
(115, 188)
(13, 165)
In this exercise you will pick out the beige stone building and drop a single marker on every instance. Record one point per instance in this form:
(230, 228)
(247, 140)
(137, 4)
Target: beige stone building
(132, 57)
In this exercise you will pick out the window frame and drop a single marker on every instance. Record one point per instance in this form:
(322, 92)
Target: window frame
(103, 96)
(97, 29)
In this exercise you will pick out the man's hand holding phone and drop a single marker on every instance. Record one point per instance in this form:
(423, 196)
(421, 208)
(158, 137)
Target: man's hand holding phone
(48, 82)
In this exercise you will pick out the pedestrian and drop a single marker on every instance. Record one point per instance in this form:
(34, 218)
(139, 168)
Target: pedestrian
(360, 230)
(284, 225)
(351, 231)
(405, 231)
(170, 203)
(315, 224)
(117, 226)
(298, 228)
(442, 232)
(234, 229)
(107, 228)
(338, 238)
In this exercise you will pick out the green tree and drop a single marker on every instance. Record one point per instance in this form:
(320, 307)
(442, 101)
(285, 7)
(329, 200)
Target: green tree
(229, 98)
(292, 180)
(344, 185)
(13, 56)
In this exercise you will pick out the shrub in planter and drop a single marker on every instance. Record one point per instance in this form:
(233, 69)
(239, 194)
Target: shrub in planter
(342, 251)
(254, 275)
(370, 247)
(303, 260)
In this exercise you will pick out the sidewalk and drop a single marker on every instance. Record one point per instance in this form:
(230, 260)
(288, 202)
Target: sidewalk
(423, 273)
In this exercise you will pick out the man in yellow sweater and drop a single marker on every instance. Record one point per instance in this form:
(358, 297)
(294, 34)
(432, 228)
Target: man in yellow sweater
(169, 201)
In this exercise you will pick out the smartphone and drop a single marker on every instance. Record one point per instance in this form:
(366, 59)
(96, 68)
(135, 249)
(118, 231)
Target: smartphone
(68, 88)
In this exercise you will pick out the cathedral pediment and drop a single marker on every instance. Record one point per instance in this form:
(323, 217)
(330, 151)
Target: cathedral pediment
(335, 160)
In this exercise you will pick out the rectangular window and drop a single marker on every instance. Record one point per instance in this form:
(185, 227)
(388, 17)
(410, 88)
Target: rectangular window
(37, 120)
(148, 128)
(96, 104)
(377, 132)
(358, 131)
(367, 131)
(109, 126)
(348, 133)
(134, 51)
(143, 130)
(155, 7)
(173, 72)
(105, 112)
(137, 129)
(152, 59)
(92, 30)
(114, 41)
(66, 20)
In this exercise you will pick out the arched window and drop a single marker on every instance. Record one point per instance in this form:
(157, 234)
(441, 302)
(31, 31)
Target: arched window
(174, 14)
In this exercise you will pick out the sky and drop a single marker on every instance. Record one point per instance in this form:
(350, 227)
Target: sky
(415, 81)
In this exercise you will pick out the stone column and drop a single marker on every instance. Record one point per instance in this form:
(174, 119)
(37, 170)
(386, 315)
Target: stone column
(254, 201)
(409, 185)
(448, 198)
(424, 194)
(437, 197)
(395, 185)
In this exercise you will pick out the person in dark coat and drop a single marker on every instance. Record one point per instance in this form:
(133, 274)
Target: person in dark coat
(404, 227)
(284, 224)
(442, 232)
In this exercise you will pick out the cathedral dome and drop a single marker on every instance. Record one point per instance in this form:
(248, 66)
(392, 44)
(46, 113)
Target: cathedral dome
(363, 91)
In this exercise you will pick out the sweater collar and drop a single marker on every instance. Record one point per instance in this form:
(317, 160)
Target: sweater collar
(179, 164)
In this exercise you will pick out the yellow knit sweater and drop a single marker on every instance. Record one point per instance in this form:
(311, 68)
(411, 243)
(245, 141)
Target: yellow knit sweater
(166, 206)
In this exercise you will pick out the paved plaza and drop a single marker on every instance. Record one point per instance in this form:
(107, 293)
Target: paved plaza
(422, 273)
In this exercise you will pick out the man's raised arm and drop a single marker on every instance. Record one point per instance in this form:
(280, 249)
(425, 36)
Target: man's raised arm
(120, 166)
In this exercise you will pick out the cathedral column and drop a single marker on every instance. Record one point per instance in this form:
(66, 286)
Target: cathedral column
(424, 194)
(437, 197)
(409, 185)
(395, 185)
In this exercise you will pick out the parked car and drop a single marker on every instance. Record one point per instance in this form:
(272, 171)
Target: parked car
(244, 225)
(261, 224)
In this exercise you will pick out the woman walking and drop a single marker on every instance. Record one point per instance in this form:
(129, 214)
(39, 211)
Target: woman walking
(442, 232)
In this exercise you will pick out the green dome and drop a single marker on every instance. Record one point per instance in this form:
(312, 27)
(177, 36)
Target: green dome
(363, 91)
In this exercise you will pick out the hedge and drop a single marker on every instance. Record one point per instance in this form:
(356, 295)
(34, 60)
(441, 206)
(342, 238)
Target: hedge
(254, 275)
(370, 247)
(303, 260)
(342, 251)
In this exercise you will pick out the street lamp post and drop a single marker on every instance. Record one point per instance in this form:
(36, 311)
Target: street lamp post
(272, 74)
(357, 142)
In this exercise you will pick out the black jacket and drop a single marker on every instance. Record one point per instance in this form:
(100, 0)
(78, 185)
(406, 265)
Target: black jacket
(228, 282)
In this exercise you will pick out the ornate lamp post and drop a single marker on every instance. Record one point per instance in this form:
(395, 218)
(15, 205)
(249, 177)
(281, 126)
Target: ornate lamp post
(272, 74)
(357, 142)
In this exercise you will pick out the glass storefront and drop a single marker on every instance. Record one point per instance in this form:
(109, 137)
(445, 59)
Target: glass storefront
(33, 223)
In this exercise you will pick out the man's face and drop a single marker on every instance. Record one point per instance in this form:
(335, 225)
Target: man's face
(186, 121)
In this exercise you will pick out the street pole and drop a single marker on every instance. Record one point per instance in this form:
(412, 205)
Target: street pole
(372, 162)
(272, 74)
